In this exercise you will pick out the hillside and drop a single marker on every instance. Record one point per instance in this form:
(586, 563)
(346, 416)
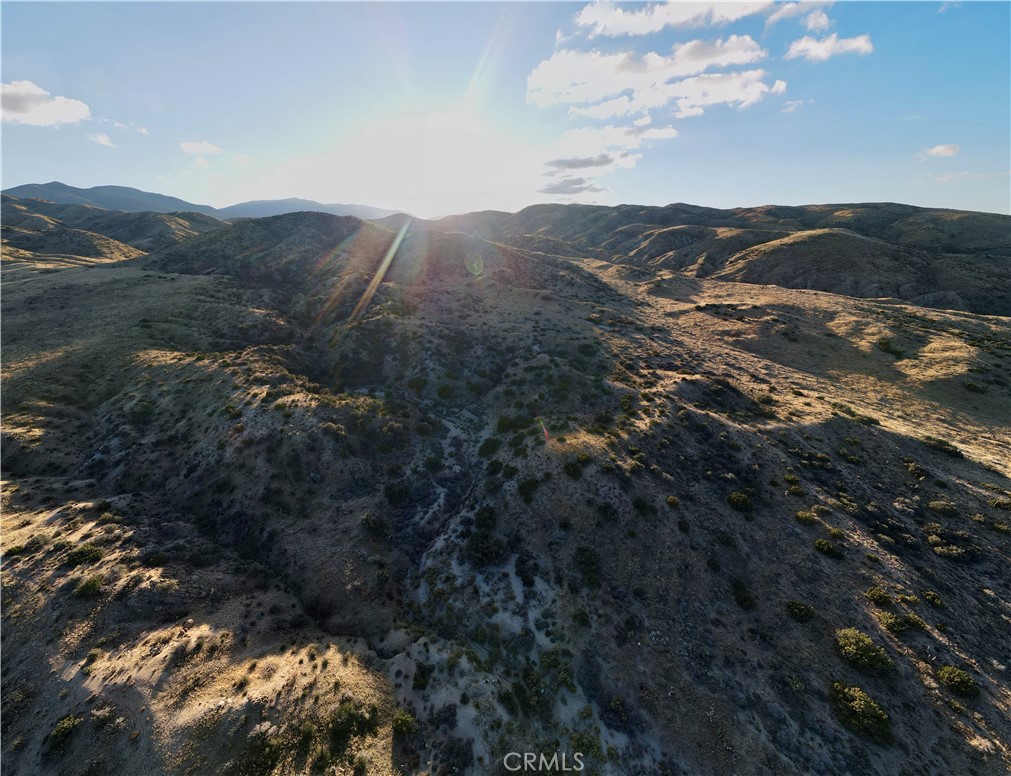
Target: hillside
(937, 258)
(723, 496)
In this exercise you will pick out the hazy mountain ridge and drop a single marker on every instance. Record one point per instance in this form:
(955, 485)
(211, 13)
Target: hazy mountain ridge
(257, 537)
(134, 200)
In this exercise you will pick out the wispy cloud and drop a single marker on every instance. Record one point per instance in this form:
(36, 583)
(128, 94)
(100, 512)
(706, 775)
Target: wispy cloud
(26, 103)
(582, 162)
(791, 105)
(571, 186)
(815, 50)
(817, 21)
(102, 139)
(607, 19)
(585, 77)
(200, 147)
(948, 7)
(941, 150)
(791, 10)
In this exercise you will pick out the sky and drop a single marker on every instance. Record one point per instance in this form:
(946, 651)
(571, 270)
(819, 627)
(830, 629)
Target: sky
(438, 108)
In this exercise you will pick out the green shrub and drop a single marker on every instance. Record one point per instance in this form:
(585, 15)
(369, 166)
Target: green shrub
(673, 502)
(404, 723)
(878, 596)
(587, 563)
(740, 501)
(805, 517)
(86, 553)
(62, 731)
(858, 712)
(942, 507)
(489, 447)
(943, 446)
(958, 681)
(859, 649)
(573, 469)
(527, 488)
(92, 585)
(801, 612)
(742, 595)
(827, 548)
(886, 346)
(398, 494)
(933, 598)
(900, 623)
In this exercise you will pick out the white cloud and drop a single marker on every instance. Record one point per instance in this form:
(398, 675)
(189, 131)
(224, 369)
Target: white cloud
(200, 163)
(571, 186)
(942, 150)
(816, 50)
(102, 139)
(606, 18)
(792, 105)
(590, 76)
(817, 21)
(791, 10)
(948, 6)
(26, 103)
(200, 147)
(143, 130)
(691, 96)
(611, 139)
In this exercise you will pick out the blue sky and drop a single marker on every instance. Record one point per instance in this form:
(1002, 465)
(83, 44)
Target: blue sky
(453, 107)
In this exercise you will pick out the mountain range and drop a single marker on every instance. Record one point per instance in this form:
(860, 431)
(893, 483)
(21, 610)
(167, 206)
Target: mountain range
(683, 490)
(133, 200)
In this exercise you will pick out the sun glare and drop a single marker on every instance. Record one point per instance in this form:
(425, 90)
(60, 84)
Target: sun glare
(428, 163)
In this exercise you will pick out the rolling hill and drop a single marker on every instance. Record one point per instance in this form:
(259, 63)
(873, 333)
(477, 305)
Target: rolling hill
(687, 498)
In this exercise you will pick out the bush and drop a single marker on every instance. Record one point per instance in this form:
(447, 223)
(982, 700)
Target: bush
(527, 488)
(933, 598)
(886, 346)
(942, 445)
(398, 494)
(826, 547)
(858, 712)
(805, 517)
(958, 681)
(573, 469)
(673, 502)
(86, 553)
(899, 624)
(740, 501)
(489, 447)
(878, 596)
(587, 563)
(62, 731)
(801, 612)
(404, 723)
(859, 649)
(90, 586)
(742, 595)
(942, 507)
